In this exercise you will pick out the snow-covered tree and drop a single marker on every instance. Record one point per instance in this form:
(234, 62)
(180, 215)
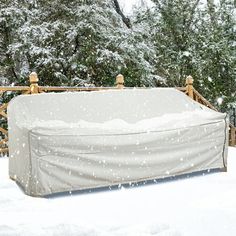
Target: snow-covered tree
(172, 30)
(197, 38)
(12, 17)
(216, 52)
(72, 43)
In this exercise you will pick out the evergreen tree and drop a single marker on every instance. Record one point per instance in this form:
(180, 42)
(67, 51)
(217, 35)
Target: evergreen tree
(12, 17)
(194, 38)
(73, 43)
(216, 53)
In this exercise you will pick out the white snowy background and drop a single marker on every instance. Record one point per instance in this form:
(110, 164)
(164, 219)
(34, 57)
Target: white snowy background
(191, 206)
(129, 5)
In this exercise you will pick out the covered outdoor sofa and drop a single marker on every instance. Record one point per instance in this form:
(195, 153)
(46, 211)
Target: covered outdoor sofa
(72, 141)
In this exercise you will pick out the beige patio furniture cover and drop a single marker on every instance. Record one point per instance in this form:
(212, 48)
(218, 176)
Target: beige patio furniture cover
(72, 141)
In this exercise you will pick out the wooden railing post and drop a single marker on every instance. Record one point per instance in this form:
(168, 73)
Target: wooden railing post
(33, 78)
(232, 136)
(120, 81)
(189, 86)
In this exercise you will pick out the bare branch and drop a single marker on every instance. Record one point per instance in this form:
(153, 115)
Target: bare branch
(125, 19)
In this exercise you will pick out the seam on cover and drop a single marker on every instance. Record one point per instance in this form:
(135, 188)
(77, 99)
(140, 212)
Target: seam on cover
(30, 163)
(143, 132)
(225, 134)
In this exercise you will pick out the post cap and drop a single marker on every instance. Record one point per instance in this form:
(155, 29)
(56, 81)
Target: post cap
(120, 79)
(33, 78)
(189, 80)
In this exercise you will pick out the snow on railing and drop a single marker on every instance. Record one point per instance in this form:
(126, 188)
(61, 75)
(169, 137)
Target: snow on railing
(34, 88)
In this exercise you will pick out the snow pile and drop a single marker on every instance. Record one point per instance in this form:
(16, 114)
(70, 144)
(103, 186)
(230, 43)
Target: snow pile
(200, 205)
(173, 120)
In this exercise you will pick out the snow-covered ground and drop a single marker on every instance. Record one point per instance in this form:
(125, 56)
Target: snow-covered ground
(200, 205)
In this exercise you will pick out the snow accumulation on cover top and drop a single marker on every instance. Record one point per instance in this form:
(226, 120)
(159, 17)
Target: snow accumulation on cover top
(203, 204)
(174, 120)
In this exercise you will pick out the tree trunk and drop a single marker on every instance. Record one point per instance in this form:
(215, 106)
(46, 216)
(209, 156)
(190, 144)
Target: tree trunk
(125, 19)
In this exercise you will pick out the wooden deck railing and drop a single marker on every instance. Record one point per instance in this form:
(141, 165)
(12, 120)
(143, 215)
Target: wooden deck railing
(195, 95)
(34, 88)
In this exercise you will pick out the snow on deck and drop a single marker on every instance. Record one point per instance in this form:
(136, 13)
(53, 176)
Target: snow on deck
(200, 205)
